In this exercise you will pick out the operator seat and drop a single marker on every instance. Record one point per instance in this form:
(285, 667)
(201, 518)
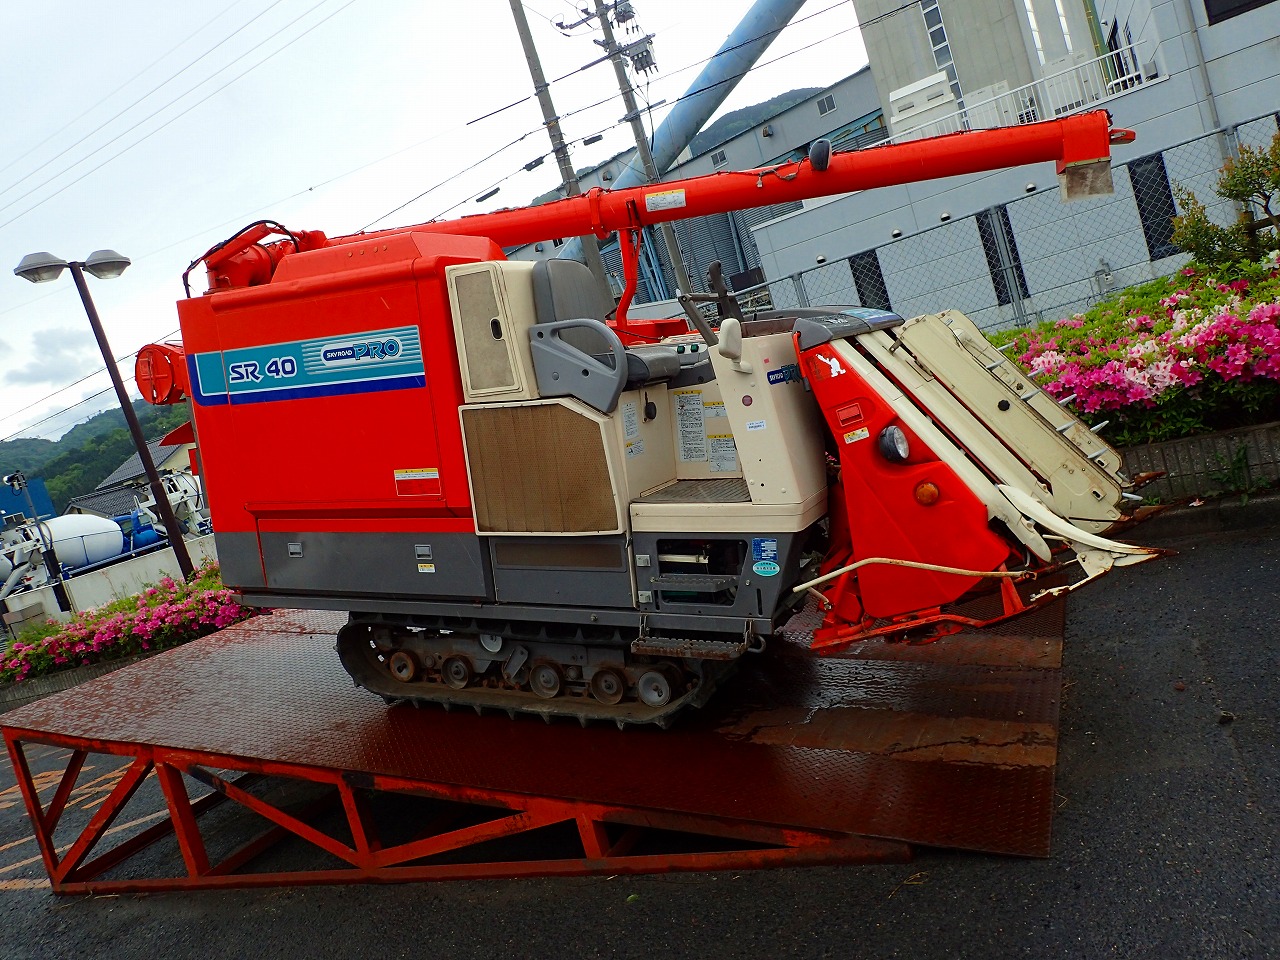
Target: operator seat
(567, 290)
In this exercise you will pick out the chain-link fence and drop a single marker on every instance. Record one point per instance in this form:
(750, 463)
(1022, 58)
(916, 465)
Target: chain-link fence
(1035, 258)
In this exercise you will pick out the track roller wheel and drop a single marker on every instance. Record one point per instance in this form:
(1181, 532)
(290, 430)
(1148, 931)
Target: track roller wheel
(608, 686)
(545, 681)
(654, 688)
(403, 666)
(457, 672)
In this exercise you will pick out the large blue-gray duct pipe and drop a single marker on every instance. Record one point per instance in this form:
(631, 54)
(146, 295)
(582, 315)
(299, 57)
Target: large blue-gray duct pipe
(738, 54)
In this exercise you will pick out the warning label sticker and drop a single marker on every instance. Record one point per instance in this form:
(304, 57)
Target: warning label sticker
(664, 200)
(853, 436)
(418, 482)
(692, 433)
(630, 421)
(723, 453)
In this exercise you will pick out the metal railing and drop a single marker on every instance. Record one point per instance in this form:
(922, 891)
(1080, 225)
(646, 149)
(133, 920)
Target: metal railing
(1032, 258)
(1080, 87)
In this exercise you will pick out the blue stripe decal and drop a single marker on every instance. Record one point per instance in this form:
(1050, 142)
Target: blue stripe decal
(196, 362)
(330, 390)
(375, 360)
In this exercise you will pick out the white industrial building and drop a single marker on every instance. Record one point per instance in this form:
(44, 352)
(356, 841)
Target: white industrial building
(1193, 78)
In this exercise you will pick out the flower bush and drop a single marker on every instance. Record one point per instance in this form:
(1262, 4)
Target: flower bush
(1182, 355)
(165, 615)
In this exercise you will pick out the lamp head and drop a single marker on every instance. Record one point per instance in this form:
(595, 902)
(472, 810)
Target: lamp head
(40, 267)
(106, 264)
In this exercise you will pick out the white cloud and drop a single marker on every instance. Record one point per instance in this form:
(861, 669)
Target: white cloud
(56, 357)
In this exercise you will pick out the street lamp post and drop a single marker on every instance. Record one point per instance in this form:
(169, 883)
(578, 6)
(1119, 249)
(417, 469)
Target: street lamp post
(107, 265)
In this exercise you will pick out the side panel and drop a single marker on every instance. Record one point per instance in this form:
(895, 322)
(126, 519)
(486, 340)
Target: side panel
(703, 437)
(375, 443)
(422, 565)
(239, 559)
(776, 426)
(576, 571)
(326, 401)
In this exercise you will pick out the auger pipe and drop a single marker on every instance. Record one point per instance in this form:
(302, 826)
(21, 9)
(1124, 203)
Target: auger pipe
(1072, 141)
(1079, 139)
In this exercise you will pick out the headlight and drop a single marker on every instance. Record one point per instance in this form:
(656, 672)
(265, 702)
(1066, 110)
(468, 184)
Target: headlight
(893, 445)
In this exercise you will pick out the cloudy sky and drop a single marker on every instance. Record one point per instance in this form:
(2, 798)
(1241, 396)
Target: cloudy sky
(157, 129)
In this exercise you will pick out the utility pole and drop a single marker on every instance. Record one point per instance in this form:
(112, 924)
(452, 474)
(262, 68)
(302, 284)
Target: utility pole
(590, 249)
(642, 138)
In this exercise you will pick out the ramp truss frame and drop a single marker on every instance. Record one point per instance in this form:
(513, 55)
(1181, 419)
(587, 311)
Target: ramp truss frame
(606, 835)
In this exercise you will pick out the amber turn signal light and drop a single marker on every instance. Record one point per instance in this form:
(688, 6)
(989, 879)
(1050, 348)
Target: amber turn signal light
(927, 494)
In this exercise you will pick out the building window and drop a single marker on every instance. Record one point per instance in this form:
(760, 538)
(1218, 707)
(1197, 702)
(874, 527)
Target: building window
(941, 49)
(1001, 249)
(1225, 9)
(826, 104)
(718, 159)
(1035, 30)
(1122, 60)
(1155, 204)
(1062, 22)
(868, 280)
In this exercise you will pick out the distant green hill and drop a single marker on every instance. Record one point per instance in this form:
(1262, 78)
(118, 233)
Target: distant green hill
(28, 454)
(88, 452)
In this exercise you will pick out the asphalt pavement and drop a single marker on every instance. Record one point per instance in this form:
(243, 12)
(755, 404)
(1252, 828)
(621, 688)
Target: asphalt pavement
(1165, 838)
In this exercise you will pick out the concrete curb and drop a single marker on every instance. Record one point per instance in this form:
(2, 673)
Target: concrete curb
(1227, 514)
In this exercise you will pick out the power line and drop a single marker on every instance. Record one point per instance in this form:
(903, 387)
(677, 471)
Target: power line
(672, 73)
(729, 79)
(606, 100)
(89, 110)
(120, 113)
(153, 132)
(88, 376)
(450, 179)
(496, 183)
(538, 13)
(110, 388)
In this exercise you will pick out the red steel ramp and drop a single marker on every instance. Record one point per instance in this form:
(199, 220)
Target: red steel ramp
(796, 760)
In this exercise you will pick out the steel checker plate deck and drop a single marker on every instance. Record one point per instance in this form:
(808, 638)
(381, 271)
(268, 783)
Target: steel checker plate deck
(730, 490)
(919, 750)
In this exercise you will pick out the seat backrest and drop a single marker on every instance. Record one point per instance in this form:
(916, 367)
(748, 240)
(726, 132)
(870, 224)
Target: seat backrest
(566, 290)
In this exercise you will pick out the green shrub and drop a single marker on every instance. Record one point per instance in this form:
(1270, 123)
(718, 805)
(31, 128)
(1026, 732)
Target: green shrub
(1187, 354)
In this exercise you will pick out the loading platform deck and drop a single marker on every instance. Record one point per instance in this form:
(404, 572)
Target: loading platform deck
(797, 760)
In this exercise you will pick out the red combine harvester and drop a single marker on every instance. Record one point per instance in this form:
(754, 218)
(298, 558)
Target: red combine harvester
(529, 502)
